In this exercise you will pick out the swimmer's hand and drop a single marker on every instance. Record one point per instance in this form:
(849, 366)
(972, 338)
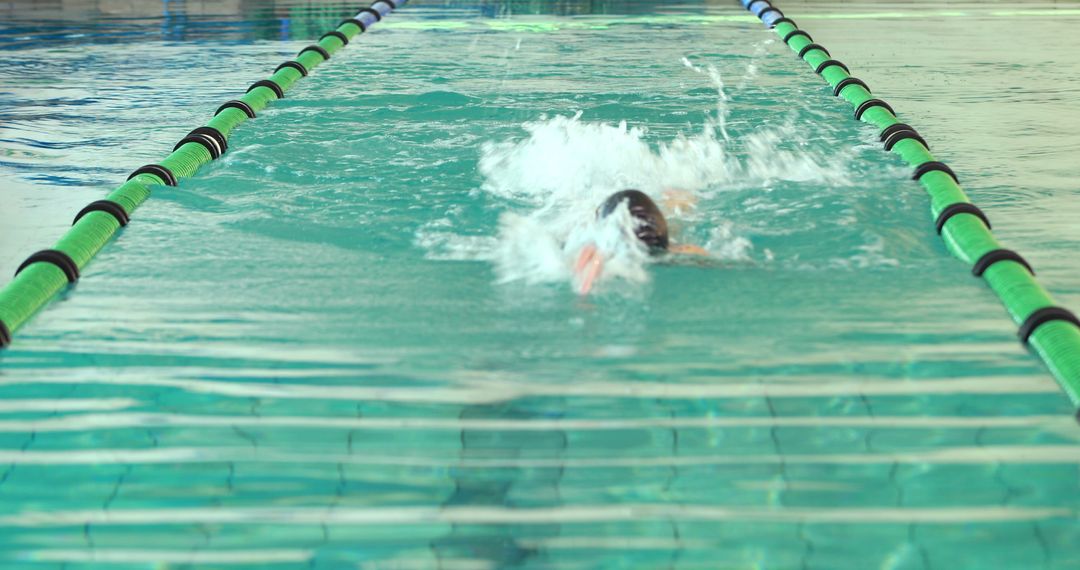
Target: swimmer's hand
(676, 200)
(687, 249)
(588, 267)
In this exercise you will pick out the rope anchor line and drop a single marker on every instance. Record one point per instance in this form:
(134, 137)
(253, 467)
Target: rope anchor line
(1052, 331)
(44, 274)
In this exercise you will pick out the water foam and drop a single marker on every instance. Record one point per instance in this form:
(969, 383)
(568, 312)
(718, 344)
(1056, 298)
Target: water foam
(553, 179)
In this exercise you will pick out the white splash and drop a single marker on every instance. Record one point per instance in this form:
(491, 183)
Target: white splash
(722, 98)
(553, 178)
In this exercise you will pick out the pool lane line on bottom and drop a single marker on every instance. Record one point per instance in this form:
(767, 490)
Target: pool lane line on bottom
(45, 273)
(1052, 331)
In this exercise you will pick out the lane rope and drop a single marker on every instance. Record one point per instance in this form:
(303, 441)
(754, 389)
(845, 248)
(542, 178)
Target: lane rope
(45, 273)
(108, 206)
(1053, 332)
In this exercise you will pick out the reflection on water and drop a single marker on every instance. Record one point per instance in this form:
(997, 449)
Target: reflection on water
(78, 22)
(281, 362)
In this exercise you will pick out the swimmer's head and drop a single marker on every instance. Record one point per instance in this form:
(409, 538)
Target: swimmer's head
(651, 227)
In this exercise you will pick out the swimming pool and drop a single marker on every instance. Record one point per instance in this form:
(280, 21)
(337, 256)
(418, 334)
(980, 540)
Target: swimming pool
(316, 351)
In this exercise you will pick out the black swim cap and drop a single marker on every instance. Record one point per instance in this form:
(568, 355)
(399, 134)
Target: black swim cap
(651, 225)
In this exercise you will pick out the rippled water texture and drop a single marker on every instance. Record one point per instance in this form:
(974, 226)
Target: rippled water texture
(353, 341)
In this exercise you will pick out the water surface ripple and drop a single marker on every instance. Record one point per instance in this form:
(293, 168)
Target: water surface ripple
(352, 341)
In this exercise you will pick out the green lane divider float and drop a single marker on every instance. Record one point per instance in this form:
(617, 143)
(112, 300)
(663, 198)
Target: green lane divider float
(1052, 331)
(47, 272)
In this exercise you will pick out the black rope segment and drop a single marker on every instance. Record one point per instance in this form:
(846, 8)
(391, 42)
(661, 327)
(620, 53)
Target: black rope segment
(373, 12)
(158, 170)
(108, 206)
(869, 104)
(236, 104)
(803, 51)
(293, 65)
(902, 134)
(354, 22)
(389, 3)
(5, 335)
(995, 255)
(766, 11)
(932, 166)
(750, 6)
(269, 85)
(336, 34)
(829, 62)
(849, 81)
(889, 130)
(214, 134)
(787, 38)
(206, 141)
(56, 257)
(325, 54)
(1043, 316)
(959, 208)
(779, 21)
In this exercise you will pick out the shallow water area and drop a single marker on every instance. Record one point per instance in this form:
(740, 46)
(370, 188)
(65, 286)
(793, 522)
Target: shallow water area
(354, 340)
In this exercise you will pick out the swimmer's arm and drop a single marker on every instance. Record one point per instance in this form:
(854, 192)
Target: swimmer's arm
(588, 267)
(687, 249)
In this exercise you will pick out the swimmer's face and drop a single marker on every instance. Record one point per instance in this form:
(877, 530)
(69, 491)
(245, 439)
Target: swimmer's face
(651, 227)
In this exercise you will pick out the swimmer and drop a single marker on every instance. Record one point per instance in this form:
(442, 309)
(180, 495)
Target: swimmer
(651, 229)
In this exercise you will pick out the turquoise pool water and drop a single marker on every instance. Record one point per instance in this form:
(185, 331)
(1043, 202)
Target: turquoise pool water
(352, 341)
